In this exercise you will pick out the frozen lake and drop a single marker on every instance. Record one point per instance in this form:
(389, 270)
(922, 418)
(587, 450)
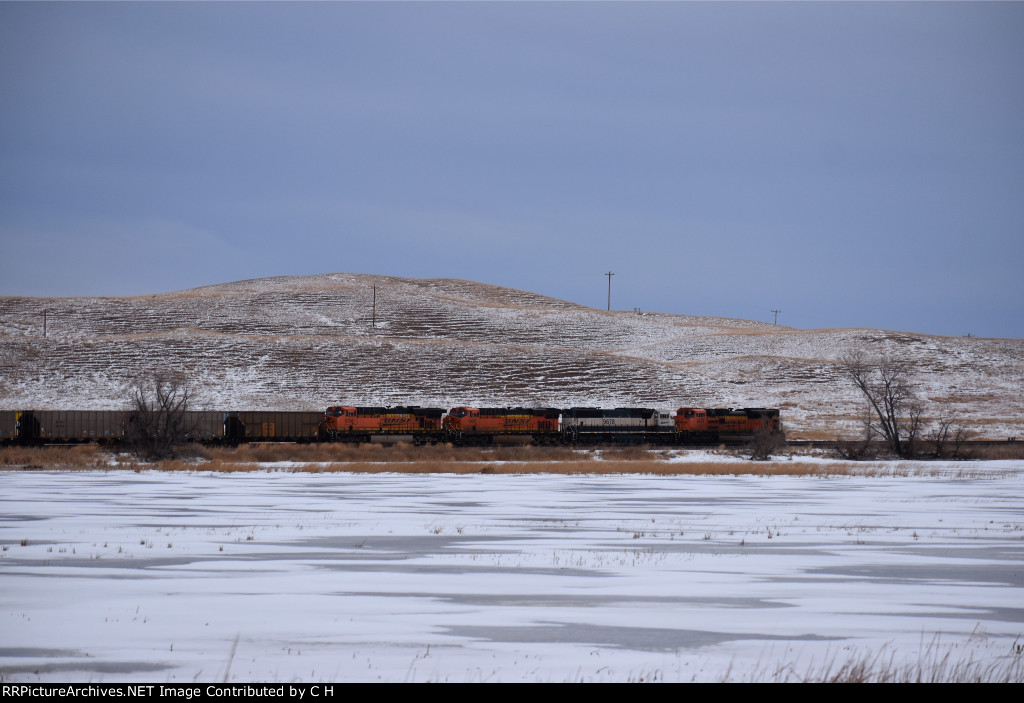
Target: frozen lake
(277, 576)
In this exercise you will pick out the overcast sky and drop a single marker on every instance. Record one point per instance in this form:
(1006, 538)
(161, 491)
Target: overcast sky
(853, 165)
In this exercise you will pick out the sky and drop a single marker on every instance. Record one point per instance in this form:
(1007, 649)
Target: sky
(852, 165)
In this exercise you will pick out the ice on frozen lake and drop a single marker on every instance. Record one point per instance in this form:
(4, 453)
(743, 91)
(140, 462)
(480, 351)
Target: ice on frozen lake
(275, 576)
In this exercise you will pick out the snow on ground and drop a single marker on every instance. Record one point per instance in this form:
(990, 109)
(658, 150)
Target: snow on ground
(278, 576)
(307, 342)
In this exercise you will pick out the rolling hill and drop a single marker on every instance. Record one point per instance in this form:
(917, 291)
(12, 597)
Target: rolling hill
(306, 342)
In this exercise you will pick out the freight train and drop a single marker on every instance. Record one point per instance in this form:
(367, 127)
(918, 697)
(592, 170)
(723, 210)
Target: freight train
(459, 425)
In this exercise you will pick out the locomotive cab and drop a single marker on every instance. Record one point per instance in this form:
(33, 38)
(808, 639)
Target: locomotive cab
(691, 420)
(462, 419)
(339, 418)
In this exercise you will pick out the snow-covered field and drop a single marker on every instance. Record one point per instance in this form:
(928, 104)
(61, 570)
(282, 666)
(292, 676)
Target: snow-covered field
(279, 576)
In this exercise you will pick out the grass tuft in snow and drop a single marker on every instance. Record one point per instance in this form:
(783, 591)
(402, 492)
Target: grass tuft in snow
(937, 664)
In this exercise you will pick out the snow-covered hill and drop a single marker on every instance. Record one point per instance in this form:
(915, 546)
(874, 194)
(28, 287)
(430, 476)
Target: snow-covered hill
(302, 343)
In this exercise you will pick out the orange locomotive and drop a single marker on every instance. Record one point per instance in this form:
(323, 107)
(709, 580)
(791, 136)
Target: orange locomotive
(481, 425)
(694, 425)
(350, 423)
(474, 425)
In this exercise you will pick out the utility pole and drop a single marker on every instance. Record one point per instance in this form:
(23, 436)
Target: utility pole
(375, 306)
(776, 316)
(609, 275)
(44, 322)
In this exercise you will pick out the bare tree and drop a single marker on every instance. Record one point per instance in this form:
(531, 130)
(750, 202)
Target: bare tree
(158, 414)
(912, 427)
(961, 435)
(863, 448)
(894, 413)
(941, 434)
(764, 443)
(949, 437)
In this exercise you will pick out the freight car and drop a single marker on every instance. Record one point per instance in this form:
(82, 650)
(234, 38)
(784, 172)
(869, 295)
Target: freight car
(28, 427)
(270, 426)
(8, 427)
(61, 426)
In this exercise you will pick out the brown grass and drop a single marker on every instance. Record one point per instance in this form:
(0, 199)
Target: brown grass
(1009, 450)
(814, 435)
(82, 456)
(406, 452)
(935, 665)
(405, 458)
(581, 467)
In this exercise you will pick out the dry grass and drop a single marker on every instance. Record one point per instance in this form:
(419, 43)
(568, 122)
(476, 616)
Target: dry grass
(406, 453)
(589, 467)
(825, 435)
(81, 456)
(936, 665)
(405, 458)
(1010, 450)
(581, 467)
